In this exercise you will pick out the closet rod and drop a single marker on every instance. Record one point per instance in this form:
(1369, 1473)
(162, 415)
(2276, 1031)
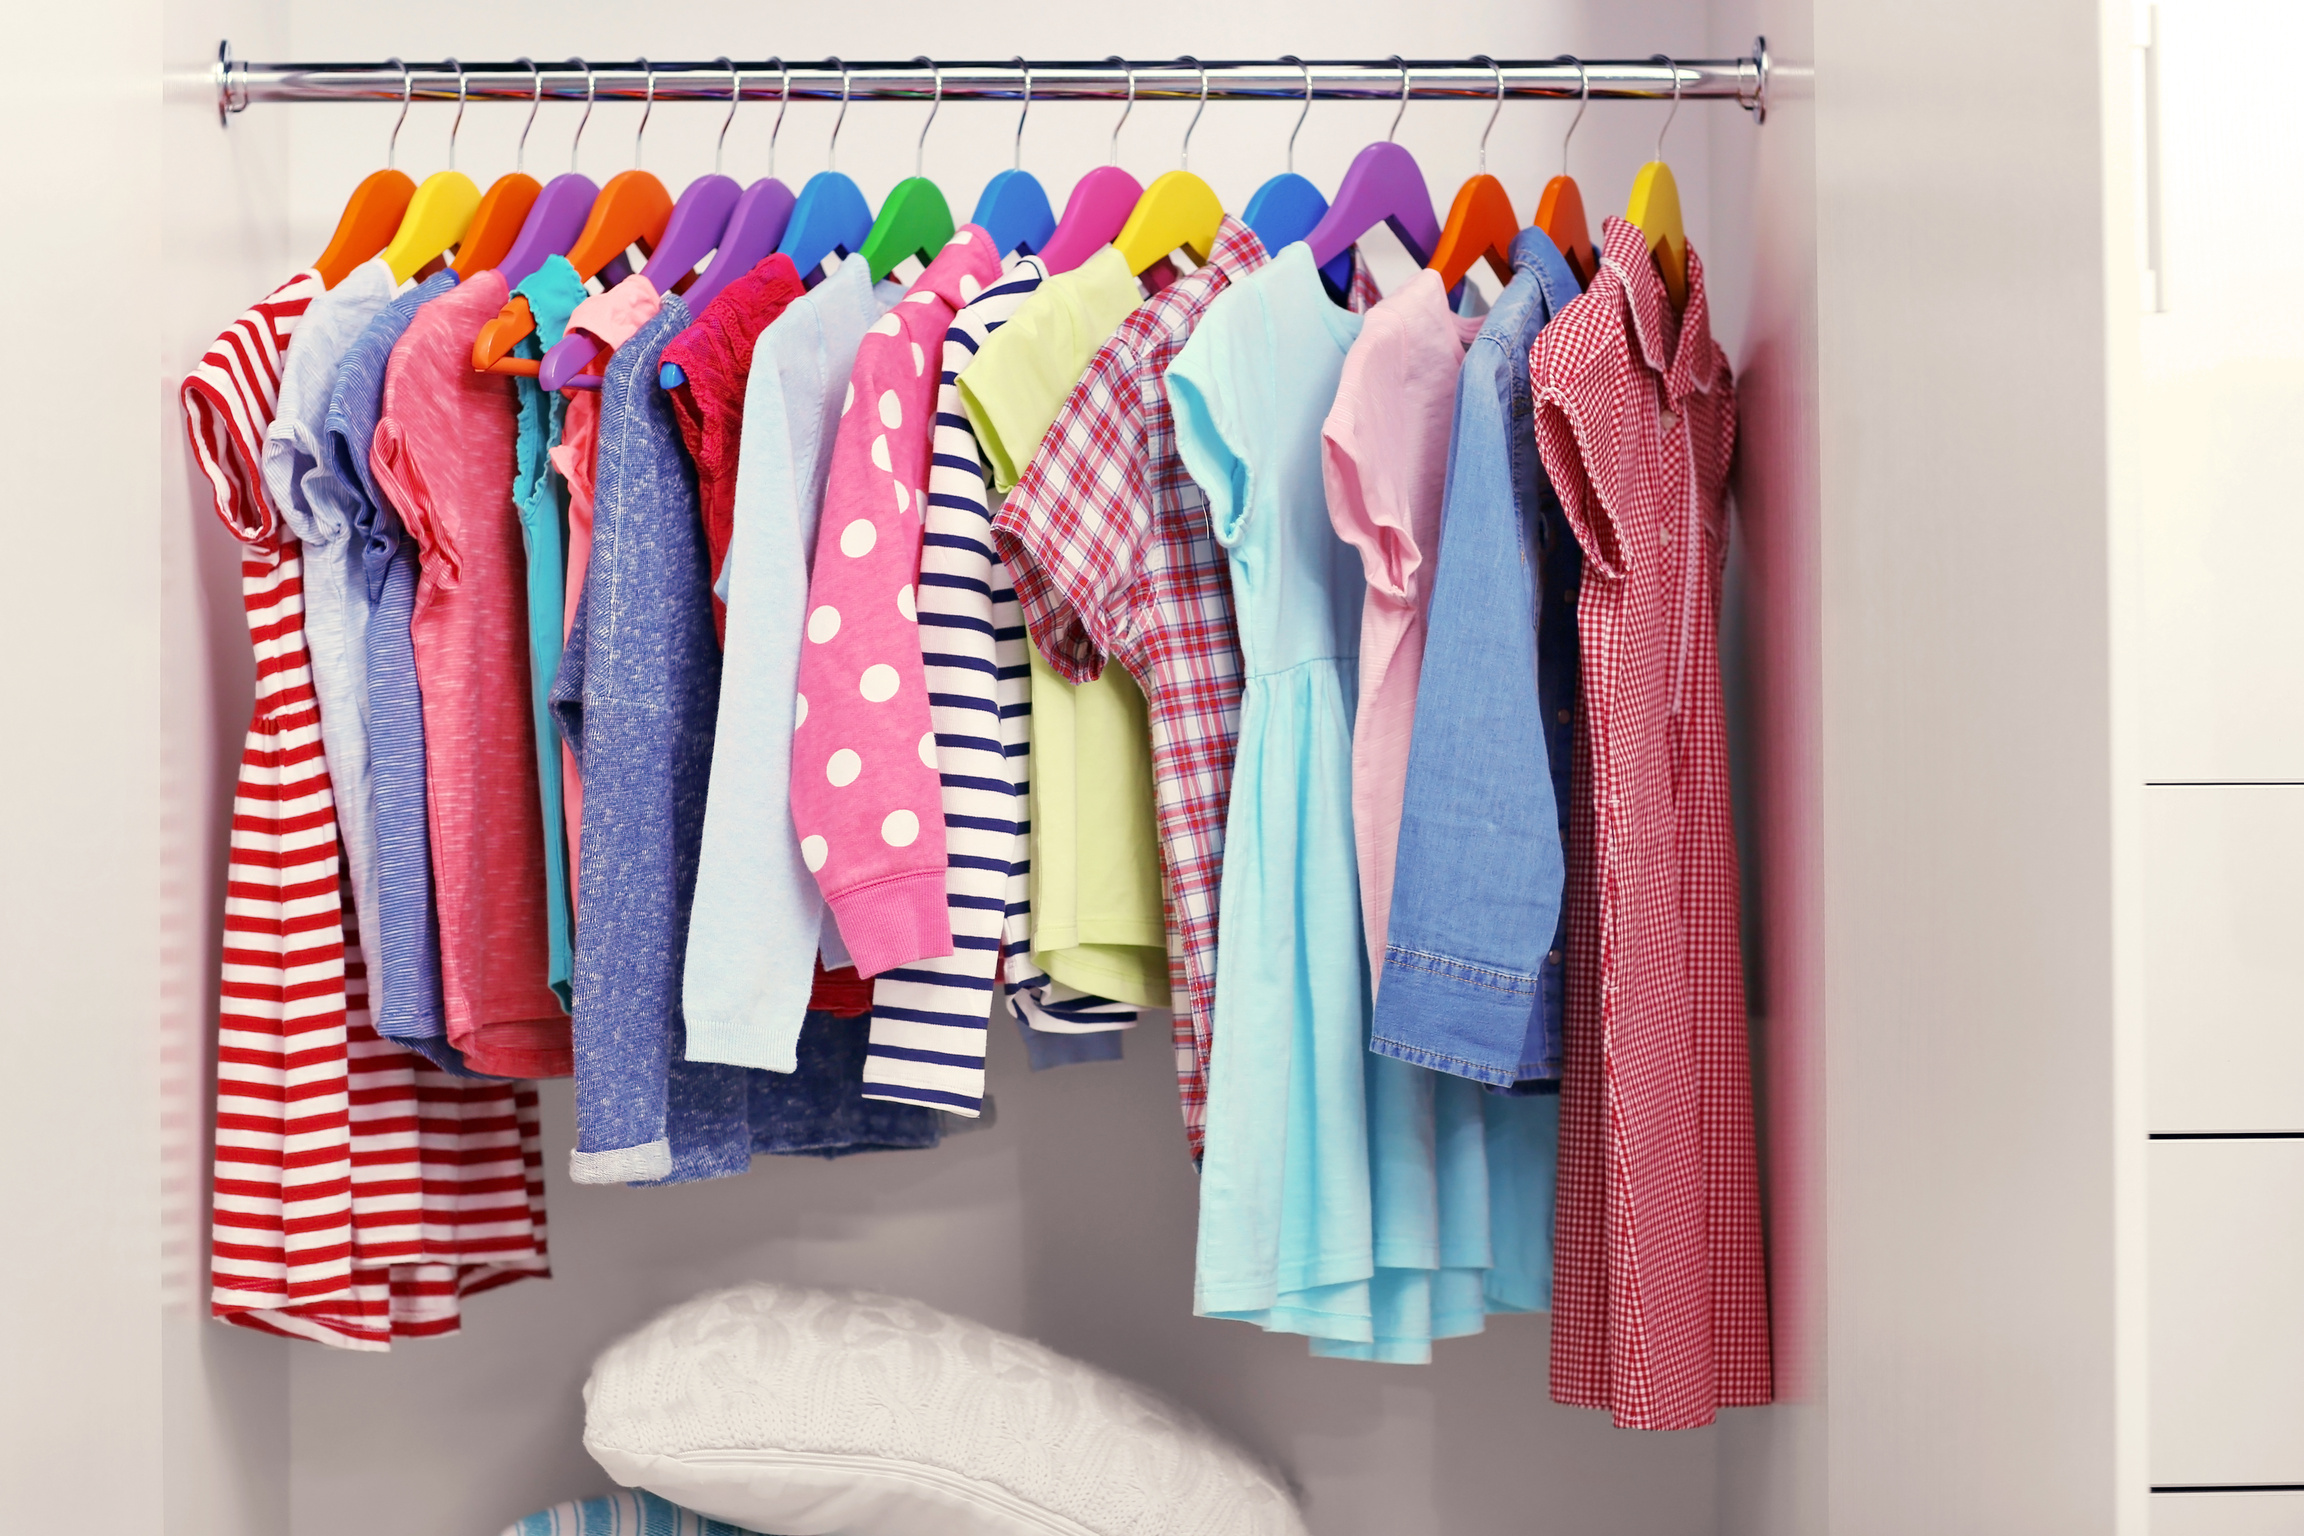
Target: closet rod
(238, 82)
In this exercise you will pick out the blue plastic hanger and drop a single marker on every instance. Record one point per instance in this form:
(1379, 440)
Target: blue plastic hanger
(1384, 185)
(1288, 207)
(831, 214)
(1014, 208)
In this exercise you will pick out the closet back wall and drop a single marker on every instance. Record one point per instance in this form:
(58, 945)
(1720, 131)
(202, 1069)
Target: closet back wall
(1071, 1218)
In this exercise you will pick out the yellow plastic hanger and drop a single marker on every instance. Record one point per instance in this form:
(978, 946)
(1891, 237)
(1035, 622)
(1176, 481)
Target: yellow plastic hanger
(1654, 208)
(1178, 209)
(440, 212)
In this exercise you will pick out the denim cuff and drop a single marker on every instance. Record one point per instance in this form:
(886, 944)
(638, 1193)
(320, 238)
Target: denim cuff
(1454, 1016)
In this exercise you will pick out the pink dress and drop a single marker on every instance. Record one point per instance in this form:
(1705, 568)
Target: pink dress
(1384, 457)
(866, 799)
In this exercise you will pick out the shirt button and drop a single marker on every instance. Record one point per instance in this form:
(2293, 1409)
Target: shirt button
(1666, 535)
(1666, 420)
(1554, 957)
(1562, 716)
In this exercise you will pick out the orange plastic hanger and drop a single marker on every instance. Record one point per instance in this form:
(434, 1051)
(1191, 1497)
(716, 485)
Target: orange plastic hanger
(1177, 210)
(1481, 221)
(503, 210)
(632, 208)
(1655, 208)
(1560, 211)
(372, 215)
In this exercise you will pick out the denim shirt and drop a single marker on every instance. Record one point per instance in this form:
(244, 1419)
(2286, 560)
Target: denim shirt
(1473, 965)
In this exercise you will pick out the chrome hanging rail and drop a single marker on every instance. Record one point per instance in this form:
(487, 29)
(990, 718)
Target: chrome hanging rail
(240, 83)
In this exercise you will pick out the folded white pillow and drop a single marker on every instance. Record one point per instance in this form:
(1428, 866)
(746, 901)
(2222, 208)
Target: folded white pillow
(843, 1413)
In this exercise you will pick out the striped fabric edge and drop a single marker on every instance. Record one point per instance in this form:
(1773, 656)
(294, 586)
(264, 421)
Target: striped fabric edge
(930, 1019)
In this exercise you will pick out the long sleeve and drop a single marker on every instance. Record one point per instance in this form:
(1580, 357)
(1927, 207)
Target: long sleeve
(865, 794)
(752, 939)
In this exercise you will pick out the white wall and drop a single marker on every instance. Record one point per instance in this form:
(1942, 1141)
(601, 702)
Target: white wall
(1070, 1219)
(1975, 1066)
(79, 864)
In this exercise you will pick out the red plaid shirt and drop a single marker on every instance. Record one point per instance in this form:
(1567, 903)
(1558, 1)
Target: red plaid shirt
(1660, 1304)
(1109, 542)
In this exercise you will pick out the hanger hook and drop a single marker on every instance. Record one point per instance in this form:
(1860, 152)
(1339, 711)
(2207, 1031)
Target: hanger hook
(735, 99)
(1666, 59)
(520, 160)
(832, 150)
(457, 126)
(591, 88)
(782, 105)
(1124, 111)
(1022, 112)
(1583, 100)
(1493, 112)
(407, 85)
(1196, 111)
(1290, 58)
(1402, 65)
(920, 150)
(640, 134)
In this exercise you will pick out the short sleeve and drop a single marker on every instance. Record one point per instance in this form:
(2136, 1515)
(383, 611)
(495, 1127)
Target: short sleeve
(1561, 441)
(1075, 528)
(399, 475)
(1359, 468)
(1204, 396)
(1007, 378)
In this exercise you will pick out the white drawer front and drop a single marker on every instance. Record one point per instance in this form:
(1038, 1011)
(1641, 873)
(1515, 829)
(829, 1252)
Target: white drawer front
(2224, 957)
(2227, 1514)
(2227, 1312)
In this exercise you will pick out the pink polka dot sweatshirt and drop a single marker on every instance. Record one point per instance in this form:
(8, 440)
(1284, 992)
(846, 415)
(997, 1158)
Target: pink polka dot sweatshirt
(866, 799)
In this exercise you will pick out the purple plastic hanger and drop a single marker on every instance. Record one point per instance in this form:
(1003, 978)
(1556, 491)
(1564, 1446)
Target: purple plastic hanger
(757, 223)
(1100, 203)
(553, 225)
(698, 220)
(1383, 186)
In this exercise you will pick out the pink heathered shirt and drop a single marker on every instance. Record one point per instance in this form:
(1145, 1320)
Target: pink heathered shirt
(1384, 457)
(577, 457)
(866, 799)
(443, 453)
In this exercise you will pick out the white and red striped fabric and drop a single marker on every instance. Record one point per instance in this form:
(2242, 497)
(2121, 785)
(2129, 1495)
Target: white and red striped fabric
(359, 1191)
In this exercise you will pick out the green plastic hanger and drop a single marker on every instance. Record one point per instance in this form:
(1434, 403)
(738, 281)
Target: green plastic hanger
(915, 220)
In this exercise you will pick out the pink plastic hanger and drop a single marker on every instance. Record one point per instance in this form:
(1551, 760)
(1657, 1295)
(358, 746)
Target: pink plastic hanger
(1383, 186)
(1100, 203)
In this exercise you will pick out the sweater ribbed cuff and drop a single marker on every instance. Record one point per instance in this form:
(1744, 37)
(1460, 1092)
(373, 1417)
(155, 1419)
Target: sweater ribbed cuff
(895, 922)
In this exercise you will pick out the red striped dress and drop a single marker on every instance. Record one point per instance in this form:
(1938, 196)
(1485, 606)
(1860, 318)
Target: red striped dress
(359, 1191)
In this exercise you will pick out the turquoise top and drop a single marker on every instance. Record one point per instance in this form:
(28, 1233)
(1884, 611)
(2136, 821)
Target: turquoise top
(553, 291)
(1343, 1195)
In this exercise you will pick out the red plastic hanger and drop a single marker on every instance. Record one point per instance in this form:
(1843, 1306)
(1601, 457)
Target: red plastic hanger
(1481, 221)
(1560, 211)
(1383, 185)
(1100, 203)
(372, 215)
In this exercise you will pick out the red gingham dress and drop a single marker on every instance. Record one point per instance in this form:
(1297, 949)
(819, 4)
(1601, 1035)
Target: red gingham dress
(1660, 1303)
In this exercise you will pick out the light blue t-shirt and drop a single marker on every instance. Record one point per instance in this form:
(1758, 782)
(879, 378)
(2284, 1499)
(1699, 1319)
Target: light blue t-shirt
(300, 477)
(753, 935)
(1343, 1195)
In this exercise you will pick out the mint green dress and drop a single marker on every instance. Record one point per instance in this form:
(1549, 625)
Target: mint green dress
(1285, 1222)
(553, 291)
